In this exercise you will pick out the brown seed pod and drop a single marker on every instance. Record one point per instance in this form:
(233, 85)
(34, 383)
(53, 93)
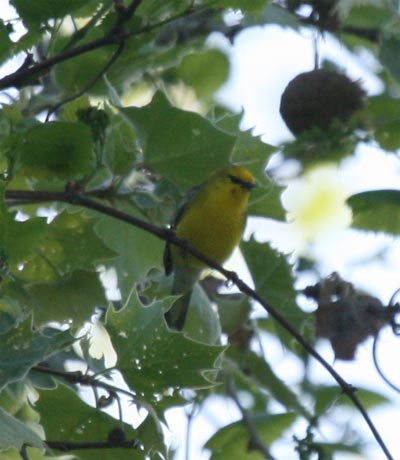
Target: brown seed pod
(316, 98)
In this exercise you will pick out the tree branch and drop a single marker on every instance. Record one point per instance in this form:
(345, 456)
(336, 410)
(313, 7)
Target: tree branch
(168, 235)
(78, 378)
(115, 36)
(68, 446)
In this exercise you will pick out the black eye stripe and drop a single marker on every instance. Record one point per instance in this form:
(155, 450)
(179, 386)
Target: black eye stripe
(243, 183)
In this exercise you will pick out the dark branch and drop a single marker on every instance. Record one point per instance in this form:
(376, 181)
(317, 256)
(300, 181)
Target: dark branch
(115, 36)
(169, 235)
(67, 446)
(20, 76)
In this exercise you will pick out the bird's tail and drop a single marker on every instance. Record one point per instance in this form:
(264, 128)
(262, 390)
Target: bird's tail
(176, 315)
(184, 280)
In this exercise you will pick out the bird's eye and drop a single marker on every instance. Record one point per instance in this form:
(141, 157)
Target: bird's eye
(241, 182)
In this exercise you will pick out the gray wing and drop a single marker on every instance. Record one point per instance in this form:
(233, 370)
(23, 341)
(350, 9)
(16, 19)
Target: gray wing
(190, 195)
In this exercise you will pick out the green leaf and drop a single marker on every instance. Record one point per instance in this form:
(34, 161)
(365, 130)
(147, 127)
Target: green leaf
(72, 297)
(65, 417)
(384, 119)
(73, 234)
(137, 252)
(14, 433)
(366, 16)
(260, 370)
(31, 232)
(75, 74)
(233, 440)
(195, 71)
(255, 6)
(6, 44)
(57, 150)
(389, 53)
(174, 140)
(329, 397)
(376, 210)
(21, 349)
(274, 282)
(152, 358)
(120, 146)
(273, 14)
(36, 11)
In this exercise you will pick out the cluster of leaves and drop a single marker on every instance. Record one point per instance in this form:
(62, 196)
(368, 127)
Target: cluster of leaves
(58, 140)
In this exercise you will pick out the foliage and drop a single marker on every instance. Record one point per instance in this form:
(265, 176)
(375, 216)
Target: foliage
(98, 109)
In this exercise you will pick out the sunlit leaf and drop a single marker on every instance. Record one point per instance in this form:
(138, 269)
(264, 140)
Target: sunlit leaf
(376, 210)
(14, 433)
(195, 71)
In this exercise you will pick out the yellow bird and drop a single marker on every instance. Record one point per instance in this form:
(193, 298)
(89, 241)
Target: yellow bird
(211, 218)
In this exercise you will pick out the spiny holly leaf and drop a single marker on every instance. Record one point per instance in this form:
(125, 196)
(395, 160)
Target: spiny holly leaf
(14, 433)
(65, 417)
(274, 281)
(174, 140)
(153, 359)
(72, 297)
(272, 275)
(377, 210)
(21, 349)
(233, 441)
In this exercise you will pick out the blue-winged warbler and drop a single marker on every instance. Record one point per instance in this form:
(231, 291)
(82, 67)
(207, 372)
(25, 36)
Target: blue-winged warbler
(211, 218)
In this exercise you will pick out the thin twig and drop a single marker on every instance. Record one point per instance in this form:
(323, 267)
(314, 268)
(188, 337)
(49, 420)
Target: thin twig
(256, 442)
(169, 235)
(92, 82)
(78, 378)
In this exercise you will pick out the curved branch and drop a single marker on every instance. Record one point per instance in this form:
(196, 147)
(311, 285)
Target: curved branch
(169, 235)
